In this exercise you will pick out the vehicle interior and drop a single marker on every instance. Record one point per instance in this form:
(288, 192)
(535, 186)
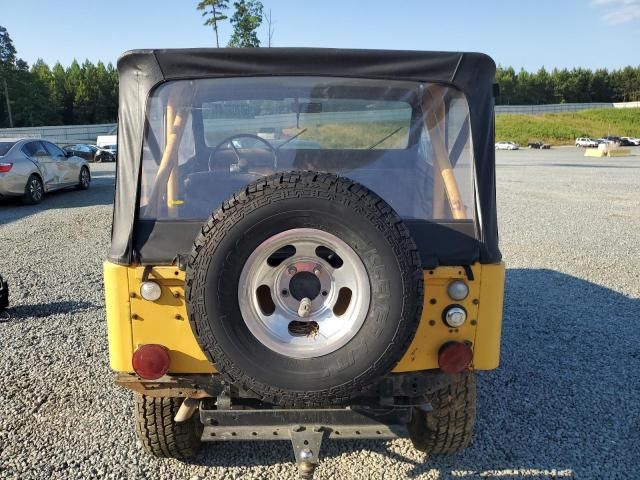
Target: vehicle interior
(227, 133)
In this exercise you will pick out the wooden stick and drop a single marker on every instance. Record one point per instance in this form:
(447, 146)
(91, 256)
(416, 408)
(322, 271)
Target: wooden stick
(174, 135)
(172, 184)
(434, 114)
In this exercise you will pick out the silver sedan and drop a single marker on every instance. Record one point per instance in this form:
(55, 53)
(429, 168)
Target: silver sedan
(30, 167)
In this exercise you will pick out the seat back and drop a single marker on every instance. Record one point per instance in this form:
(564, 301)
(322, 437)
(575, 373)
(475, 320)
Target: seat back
(405, 191)
(205, 191)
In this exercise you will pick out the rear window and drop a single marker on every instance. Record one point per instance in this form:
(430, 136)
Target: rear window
(5, 147)
(205, 139)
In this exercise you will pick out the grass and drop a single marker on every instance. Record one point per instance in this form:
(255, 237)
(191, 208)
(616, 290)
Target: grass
(564, 128)
(341, 135)
(358, 135)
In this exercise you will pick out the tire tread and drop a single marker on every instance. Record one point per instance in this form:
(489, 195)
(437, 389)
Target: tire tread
(159, 434)
(448, 428)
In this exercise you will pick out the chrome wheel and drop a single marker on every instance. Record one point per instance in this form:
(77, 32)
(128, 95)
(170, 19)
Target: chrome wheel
(85, 179)
(304, 293)
(35, 189)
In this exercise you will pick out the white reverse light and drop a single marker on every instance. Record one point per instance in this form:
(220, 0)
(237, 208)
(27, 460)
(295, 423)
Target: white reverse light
(455, 317)
(150, 291)
(458, 290)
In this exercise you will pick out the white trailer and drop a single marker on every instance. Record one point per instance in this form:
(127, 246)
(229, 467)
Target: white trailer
(104, 140)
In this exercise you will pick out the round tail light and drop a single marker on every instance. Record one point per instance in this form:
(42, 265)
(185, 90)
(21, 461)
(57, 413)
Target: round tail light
(151, 361)
(455, 357)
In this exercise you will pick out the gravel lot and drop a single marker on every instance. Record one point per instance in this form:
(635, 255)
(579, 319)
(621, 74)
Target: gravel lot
(564, 403)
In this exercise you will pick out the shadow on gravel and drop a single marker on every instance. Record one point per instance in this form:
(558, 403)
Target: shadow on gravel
(41, 310)
(563, 403)
(100, 193)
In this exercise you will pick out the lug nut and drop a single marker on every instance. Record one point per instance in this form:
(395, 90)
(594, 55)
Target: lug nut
(305, 308)
(292, 270)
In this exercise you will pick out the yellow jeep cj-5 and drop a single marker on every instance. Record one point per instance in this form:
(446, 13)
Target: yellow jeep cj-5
(304, 246)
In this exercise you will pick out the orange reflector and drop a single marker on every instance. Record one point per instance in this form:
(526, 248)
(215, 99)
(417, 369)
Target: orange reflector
(454, 357)
(151, 361)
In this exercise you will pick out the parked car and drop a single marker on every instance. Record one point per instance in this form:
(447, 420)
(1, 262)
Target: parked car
(507, 146)
(82, 150)
(634, 141)
(586, 142)
(29, 168)
(539, 145)
(612, 139)
(108, 153)
(626, 142)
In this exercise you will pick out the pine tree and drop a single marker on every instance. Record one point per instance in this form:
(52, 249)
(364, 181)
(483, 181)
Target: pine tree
(7, 66)
(215, 14)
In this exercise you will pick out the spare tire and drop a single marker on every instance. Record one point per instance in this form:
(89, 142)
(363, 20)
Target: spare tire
(304, 288)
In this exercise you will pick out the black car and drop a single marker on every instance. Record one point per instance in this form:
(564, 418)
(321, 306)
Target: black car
(539, 145)
(83, 150)
(107, 153)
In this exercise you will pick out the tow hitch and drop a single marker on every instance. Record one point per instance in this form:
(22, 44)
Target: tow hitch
(306, 429)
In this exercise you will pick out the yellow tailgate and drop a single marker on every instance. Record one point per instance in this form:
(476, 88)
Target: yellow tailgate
(133, 321)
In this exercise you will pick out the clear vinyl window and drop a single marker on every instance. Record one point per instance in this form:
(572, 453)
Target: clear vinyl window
(206, 139)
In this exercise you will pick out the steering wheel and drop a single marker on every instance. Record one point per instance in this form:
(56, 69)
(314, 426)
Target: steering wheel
(236, 150)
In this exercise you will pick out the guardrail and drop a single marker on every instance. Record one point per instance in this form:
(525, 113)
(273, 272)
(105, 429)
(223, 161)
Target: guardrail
(63, 134)
(560, 107)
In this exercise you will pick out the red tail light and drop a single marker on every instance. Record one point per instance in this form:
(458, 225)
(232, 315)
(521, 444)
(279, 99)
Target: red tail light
(151, 361)
(5, 167)
(454, 357)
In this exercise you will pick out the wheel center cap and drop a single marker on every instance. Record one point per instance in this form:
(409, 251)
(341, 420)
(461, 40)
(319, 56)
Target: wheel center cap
(304, 285)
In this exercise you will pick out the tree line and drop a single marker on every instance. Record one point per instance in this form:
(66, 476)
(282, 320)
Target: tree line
(39, 95)
(87, 93)
(579, 85)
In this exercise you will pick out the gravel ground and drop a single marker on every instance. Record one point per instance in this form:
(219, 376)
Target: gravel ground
(564, 403)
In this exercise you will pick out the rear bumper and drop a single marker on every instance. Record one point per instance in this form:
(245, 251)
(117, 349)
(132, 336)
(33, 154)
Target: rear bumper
(391, 386)
(12, 185)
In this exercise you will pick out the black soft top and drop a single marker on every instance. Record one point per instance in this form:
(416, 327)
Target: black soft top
(142, 70)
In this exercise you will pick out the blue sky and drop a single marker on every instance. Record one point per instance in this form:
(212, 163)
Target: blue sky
(553, 33)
